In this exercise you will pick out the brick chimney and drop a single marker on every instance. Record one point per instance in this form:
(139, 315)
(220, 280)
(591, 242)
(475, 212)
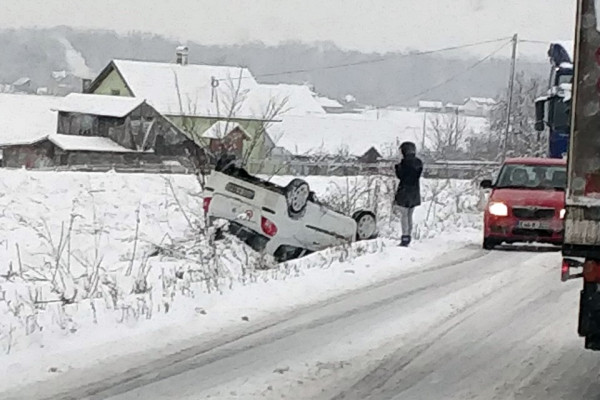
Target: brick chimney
(85, 85)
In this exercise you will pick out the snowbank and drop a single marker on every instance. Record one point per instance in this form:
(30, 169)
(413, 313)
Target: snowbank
(90, 262)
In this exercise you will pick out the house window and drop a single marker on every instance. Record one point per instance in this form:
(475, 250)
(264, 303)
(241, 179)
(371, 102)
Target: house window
(115, 92)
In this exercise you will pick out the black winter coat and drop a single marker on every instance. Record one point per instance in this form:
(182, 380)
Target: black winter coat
(409, 190)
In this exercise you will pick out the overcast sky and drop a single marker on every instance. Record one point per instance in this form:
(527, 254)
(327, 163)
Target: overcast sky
(367, 25)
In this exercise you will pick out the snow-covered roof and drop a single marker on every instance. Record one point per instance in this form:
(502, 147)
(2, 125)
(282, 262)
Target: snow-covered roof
(58, 75)
(430, 104)
(26, 119)
(482, 101)
(299, 100)
(174, 89)
(220, 129)
(87, 143)
(334, 133)
(328, 103)
(96, 104)
(21, 81)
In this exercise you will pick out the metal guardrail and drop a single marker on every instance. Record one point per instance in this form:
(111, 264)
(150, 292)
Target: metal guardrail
(435, 170)
(439, 170)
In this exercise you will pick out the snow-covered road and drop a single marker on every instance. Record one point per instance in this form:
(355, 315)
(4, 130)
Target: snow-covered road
(474, 325)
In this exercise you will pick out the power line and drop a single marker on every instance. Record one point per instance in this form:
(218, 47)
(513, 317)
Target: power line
(373, 61)
(453, 77)
(534, 41)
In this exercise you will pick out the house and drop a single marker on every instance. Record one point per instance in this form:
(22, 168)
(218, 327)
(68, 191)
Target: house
(193, 97)
(63, 83)
(330, 105)
(128, 121)
(478, 106)
(431, 106)
(226, 137)
(22, 85)
(90, 129)
(371, 156)
(24, 120)
(57, 149)
(453, 108)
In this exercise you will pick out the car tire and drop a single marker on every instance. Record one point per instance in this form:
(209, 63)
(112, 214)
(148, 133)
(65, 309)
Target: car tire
(297, 193)
(490, 244)
(366, 225)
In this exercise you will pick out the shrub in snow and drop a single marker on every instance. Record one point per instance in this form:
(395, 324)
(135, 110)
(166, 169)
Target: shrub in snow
(446, 204)
(80, 249)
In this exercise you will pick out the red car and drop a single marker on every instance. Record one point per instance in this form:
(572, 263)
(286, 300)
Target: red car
(526, 203)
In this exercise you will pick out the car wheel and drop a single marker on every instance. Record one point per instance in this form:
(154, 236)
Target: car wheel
(366, 225)
(490, 244)
(297, 193)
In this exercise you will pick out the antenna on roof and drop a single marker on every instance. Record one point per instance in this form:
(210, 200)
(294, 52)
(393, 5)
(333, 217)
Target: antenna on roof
(214, 84)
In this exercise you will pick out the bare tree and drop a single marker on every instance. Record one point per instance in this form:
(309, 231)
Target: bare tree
(261, 138)
(522, 138)
(228, 104)
(447, 135)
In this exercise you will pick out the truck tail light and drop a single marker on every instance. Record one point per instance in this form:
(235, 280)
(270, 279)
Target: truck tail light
(564, 270)
(206, 204)
(268, 227)
(591, 271)
(592, 184)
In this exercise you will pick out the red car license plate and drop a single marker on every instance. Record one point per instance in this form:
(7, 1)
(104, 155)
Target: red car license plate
(533, 225)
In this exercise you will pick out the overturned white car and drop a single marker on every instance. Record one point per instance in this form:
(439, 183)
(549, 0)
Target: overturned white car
(287, 222)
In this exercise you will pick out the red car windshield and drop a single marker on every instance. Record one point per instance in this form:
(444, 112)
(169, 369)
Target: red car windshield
(541, 177)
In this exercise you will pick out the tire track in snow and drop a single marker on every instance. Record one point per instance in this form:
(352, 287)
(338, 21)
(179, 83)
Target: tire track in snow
(396, 362)
(79, 385)
(494, 350)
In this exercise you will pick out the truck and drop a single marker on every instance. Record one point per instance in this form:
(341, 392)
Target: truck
(552, 110)
(581, 245)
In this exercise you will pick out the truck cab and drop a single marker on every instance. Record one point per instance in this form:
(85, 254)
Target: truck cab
(552, 110)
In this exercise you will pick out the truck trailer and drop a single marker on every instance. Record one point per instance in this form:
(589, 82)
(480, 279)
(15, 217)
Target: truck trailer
(581, 246)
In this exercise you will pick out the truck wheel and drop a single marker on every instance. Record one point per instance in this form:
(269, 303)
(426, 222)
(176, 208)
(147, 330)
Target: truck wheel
(366, 225)
(489, 244)
(592, 342)
(296, 195)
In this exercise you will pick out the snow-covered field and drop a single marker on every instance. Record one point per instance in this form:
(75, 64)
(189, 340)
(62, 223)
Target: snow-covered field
(99, 265)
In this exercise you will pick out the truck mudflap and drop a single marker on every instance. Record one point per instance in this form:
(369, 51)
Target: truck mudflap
(589, 316)
(589, 298)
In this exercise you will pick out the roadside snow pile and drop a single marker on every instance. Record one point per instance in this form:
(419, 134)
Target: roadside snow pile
(80, 251)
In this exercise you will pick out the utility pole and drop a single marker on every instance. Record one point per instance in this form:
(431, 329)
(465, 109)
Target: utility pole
(511, 85)
(424, 131)
(456, 128)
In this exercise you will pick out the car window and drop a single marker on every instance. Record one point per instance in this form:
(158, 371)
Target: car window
(524, 176)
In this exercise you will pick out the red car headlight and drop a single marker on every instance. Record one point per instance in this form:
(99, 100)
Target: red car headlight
(498, 209)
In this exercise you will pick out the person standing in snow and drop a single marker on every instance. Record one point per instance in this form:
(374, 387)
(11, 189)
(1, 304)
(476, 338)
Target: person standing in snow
(408, 195)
